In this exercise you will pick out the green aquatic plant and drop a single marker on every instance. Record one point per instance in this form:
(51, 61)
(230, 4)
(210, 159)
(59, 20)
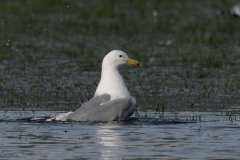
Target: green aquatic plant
(58, 43)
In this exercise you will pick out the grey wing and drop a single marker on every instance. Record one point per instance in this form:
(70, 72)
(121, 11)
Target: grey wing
(117, 109)
(90, 105)
(133, 107)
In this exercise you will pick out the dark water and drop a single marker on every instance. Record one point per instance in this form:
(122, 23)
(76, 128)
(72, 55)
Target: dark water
(208, 135)
(52, 59)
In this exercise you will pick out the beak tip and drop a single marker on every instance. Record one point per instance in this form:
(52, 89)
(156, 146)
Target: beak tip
(134, 62)
(138, 64)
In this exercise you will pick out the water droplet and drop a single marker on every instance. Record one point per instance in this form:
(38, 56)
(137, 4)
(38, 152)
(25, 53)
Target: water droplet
(7, 44)
(155, 13)
(8, 40)
(168, 42)
(67, 6)
(45, 29)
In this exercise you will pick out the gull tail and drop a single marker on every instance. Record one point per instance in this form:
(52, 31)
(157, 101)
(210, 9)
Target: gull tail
(60, 117)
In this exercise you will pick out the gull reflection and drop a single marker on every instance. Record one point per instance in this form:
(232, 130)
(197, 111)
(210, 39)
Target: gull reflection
(109, 141)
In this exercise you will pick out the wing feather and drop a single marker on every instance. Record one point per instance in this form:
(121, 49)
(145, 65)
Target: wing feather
(94, 110)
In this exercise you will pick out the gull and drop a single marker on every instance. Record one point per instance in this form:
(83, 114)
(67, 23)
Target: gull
(112, 101)
(234, 11)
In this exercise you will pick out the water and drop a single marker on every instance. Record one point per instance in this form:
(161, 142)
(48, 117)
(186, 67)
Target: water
(56, 62)
(176, 136)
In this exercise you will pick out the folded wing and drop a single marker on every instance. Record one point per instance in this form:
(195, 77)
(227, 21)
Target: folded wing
(100, 108)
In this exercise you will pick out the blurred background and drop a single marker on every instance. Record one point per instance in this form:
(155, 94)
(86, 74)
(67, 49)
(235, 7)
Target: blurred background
(51, 52)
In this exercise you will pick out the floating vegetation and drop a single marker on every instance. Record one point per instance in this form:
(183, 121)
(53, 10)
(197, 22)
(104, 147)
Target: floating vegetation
(52, 59)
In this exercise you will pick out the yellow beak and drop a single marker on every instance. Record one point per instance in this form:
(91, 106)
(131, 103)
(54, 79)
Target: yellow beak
(134, 62)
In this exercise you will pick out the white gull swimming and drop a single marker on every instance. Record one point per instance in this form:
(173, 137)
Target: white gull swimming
(112, 100)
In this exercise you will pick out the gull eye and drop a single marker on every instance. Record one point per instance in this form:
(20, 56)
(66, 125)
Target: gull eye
(120, 55)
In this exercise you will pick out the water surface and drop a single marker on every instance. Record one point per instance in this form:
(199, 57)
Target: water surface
(208, 135)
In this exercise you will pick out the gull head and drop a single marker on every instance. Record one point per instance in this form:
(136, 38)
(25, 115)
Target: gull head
(117, 58)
